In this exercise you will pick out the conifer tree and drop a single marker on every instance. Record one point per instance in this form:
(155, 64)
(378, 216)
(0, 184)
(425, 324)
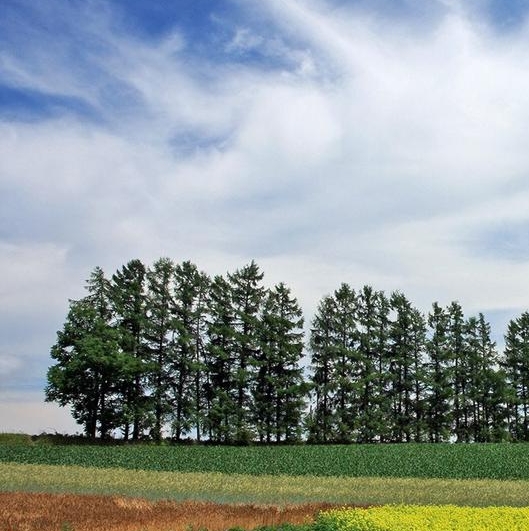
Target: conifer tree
(279, 389)
(220, 388)
(247, 295)
(129, 303)
(347, 368)
(160, 340)
(418, 340)
(440, 375)
(374, 404)
(187, 364)
(407, 336)
(517, 372)
(321, 421)
(460, 371)
(486, 392)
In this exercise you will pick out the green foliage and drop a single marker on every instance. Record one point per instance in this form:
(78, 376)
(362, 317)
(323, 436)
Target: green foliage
(487, 461)
(90, 365)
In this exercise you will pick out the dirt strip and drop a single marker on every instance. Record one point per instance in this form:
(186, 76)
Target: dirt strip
(67, 512)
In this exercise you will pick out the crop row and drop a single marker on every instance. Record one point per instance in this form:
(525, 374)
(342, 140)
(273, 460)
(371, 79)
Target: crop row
(424, 518)
(457, 461)
(223, 488)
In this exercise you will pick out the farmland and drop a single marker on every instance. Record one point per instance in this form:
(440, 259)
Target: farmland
(45, 512)
(432, 518)
(237, 488)
(162, 478)
(449, 461)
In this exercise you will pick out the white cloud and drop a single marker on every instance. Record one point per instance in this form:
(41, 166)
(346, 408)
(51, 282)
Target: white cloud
(33, 276)
(244, 40)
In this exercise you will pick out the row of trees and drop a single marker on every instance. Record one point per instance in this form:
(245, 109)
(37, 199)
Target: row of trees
(222, 359)
(169, 345)
(384, 372)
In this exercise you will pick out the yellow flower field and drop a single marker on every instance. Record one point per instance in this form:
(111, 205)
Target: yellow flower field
(425, 518)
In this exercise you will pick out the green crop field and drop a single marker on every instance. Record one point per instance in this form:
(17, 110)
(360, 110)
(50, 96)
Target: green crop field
(449, 461)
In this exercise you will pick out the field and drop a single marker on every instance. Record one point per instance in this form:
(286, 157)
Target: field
(450, 461)
(48, 512)
(431, 518)
(155, 486)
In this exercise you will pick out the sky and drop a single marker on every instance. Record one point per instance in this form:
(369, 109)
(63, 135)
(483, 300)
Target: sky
(379, 142)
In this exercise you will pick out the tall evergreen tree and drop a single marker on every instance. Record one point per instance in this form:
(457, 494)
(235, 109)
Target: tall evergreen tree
(321, 421)
(346, 364)
(220, 388)
(129, 303)
(407, 337)
(419, 364)
(440, 375)
(247, 295)
(516, 364)
(486, 392)
(187, 364)
(278, 390)
(374, 404)
(460, 371)
(160, 340)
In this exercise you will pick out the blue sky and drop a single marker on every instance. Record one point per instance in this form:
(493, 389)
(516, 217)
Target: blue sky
(370, 141)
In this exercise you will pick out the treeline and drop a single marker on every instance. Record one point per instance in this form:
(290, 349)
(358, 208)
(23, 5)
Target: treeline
(224, 360)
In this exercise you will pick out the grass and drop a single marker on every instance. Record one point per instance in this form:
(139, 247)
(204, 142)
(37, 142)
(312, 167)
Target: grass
(15, 438)
(237, 488)
(449, 461)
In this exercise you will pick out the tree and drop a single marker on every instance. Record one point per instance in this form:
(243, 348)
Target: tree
(440, 375)
(129, 303)
(187, 365)
(279, 390)
(516, 365)
(221, 381)
(347, 368)
(407, 337)
(160, 340)
(246, 297)
(374, 404)
(460, 371)
(486, 384)
(321, 421)
(90, 364)
(418, 339)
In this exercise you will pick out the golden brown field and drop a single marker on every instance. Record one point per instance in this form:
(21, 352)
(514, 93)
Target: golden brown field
(53, 512)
